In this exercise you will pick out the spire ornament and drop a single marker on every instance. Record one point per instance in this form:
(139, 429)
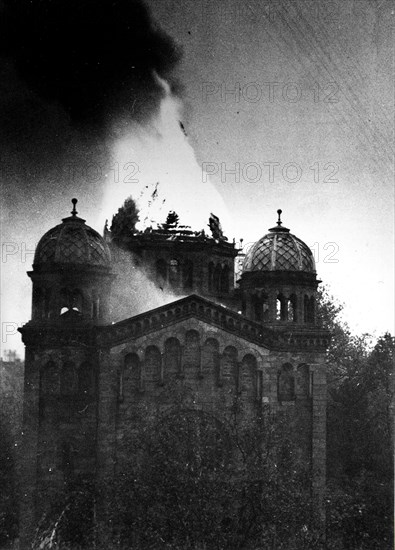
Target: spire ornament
(279, 228)
(279, 222)
(74, 211)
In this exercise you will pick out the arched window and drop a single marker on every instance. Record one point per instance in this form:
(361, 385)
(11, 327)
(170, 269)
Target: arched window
(187, 275)
(86, 384)
(77, 300)
(211, 360)
(131, 373)
(68, 379)
(64, 301)
(292, 310)
(161, 271)
(260, 307)
(172, 358)
(224, 281)
(286, 383)
(191, 355)
(174, 272)
(281, 308)
(152, 365)
(49, 379)
(265, 307)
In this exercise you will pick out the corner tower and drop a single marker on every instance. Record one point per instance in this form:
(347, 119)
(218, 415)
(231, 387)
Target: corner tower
(279, 289)
(71, 279)
(71, 273)
(279, 282)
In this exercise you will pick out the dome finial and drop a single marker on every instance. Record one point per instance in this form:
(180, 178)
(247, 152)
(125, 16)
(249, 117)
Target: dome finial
(279, 222)
(279, 228)
(74, 211)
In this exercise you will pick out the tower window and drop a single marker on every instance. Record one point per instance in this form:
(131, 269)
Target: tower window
(174, 267)
(77, 300)
(261, 307)
(281, 308)
(64, 301)
(292, 312)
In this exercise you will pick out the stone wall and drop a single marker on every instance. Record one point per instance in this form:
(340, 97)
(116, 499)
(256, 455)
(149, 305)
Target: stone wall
(81, 404)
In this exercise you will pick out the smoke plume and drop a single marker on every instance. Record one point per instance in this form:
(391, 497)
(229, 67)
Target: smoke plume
(156, 165)
(68, 70)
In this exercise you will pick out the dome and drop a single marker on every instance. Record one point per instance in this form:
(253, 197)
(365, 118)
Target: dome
(279, 250)
(72, 242)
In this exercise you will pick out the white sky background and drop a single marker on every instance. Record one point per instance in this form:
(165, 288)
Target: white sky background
(331, 76)
(345, 50)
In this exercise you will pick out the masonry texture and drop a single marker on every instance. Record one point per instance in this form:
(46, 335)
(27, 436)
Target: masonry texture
(250, 336)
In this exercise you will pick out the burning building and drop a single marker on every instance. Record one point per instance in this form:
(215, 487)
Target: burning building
(255, 338)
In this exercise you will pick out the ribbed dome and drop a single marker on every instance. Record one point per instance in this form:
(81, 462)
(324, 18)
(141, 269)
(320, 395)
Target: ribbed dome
(279, 250)
(72, 242)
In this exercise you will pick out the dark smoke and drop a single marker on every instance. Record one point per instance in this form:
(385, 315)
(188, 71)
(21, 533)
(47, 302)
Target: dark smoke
(69, 69)
(94, 59)
(70, 72)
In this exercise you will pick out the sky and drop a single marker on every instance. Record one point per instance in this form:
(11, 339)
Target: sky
(284, 105)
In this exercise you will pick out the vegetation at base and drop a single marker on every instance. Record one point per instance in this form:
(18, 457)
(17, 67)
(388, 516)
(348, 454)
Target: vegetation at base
(359, 436)
(195, 483)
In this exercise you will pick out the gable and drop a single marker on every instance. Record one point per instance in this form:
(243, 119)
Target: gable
(209, 314)
(180, 331)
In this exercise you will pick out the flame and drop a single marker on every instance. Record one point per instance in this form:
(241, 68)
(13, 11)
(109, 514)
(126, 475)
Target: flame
(157, 166)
